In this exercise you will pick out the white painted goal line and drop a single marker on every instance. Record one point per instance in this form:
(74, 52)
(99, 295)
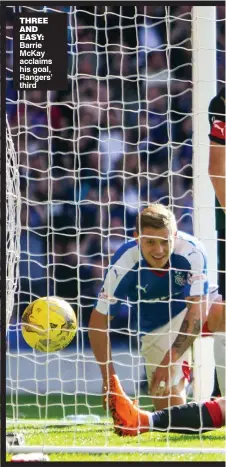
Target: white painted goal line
(55, 422)
(113, 449)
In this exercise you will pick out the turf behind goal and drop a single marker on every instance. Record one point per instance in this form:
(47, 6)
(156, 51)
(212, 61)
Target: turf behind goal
(131, 129)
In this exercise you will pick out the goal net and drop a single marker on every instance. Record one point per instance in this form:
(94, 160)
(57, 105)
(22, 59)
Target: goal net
(13, 206)
(90, 158)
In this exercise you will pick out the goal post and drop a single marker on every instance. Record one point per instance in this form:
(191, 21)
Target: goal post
(82, 164)
(204, 74)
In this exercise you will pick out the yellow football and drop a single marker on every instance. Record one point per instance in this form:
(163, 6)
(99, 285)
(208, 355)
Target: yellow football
(49, 324)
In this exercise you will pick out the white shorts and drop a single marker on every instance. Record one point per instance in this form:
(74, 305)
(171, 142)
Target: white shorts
(155, 345)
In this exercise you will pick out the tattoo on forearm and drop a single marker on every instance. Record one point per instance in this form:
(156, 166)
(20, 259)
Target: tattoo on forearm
(182, 337)
(183, 340)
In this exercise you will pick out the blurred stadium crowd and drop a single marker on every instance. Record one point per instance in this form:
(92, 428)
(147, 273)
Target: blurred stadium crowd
(118, 138)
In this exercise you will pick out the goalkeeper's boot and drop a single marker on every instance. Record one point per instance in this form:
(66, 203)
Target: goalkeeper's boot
(128, 419)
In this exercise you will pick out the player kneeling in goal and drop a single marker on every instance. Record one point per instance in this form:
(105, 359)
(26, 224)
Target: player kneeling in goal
(163, 275)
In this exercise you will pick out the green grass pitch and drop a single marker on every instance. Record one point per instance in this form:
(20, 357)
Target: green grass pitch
(40, 420)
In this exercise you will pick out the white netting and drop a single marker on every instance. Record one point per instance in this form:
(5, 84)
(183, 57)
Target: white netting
(12, 223)
(89, 159)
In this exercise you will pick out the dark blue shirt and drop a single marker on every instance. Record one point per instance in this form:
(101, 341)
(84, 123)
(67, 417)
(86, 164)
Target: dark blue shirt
(154, 296)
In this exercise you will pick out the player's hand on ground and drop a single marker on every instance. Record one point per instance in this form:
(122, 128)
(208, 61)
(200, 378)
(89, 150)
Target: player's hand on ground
(160, 384)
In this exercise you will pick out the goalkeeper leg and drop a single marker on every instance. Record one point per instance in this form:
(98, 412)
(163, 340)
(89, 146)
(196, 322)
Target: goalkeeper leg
(216, 322)
(190, 418)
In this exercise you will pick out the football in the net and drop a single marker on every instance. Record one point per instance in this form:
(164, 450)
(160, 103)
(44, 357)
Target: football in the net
(48, 324)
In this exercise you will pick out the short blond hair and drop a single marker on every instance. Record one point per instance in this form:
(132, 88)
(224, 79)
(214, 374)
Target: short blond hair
(157, 216)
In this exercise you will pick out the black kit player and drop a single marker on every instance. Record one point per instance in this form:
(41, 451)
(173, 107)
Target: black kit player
(217, 162)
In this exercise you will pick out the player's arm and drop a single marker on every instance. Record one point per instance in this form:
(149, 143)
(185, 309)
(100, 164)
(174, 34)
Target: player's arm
(217, 146)
(196, 290)
(100, 343)
(99, 324)
(190, 327)
(195, 293)
(189, 330)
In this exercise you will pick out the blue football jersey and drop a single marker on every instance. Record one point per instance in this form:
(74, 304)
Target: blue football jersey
(154, 296)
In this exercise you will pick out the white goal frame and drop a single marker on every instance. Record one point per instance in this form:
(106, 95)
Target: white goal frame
(204, 88)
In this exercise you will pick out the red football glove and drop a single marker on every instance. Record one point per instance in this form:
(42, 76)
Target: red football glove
(217, 118)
